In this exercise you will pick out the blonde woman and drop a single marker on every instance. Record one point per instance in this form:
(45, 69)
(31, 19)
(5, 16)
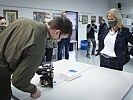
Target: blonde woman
(114, 52)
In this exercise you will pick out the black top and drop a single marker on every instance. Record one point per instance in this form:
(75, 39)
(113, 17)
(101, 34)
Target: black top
(91, 33)
(103, 28)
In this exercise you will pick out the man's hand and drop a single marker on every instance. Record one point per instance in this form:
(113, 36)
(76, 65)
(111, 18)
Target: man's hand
(36, 94)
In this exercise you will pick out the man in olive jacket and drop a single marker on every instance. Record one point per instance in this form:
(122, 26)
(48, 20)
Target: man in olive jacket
(21, 52)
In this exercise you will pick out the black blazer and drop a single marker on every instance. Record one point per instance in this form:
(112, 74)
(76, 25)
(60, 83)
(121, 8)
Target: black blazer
(121, 45)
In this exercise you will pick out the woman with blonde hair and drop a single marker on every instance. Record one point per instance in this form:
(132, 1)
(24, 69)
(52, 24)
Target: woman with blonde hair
(114, 53)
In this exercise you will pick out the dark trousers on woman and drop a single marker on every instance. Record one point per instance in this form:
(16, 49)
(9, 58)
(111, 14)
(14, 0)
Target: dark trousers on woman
(5, 84)
(110, 62)
(61, 44)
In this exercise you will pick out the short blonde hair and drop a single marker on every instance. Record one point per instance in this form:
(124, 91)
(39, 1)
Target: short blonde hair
(116, 13)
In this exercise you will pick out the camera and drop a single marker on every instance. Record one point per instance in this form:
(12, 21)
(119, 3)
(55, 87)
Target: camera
(93, 24)
(46, 72)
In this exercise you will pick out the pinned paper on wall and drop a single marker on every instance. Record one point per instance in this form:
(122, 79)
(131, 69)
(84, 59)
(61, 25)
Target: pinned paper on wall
(129, 22)
(10, 15)
(84, 19)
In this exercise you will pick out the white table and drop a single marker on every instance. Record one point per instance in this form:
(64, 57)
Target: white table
(59, 66)
(95, 83)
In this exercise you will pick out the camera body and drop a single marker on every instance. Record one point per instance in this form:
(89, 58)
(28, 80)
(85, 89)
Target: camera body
(93, 24)
(47, 74)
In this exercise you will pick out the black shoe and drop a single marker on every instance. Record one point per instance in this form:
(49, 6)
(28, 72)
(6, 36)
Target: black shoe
(88, 56)
(93, 53)
(97, 54)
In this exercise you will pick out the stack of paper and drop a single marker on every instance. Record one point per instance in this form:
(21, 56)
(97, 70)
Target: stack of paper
(69, 75)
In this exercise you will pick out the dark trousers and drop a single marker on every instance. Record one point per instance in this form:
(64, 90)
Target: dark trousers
(61, 44)
(48, 55)
(99, 44)
(5, 84)
(89, 40)
(110, 62)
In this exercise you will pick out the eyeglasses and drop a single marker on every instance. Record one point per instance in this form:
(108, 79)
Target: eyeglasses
(59, 35)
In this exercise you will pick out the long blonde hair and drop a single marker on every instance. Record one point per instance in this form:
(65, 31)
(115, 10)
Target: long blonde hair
(116, 13)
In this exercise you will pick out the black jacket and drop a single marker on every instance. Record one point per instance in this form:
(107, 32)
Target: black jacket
(102, 29)
(131, 51)
(121, 45)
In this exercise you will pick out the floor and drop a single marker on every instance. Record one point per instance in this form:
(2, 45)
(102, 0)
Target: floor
(94, 60)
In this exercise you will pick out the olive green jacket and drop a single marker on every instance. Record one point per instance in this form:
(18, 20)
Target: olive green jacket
(22, 49)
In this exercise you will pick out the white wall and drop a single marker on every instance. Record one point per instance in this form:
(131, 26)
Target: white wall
(126, 10)
(83, 7)
(126, 6)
